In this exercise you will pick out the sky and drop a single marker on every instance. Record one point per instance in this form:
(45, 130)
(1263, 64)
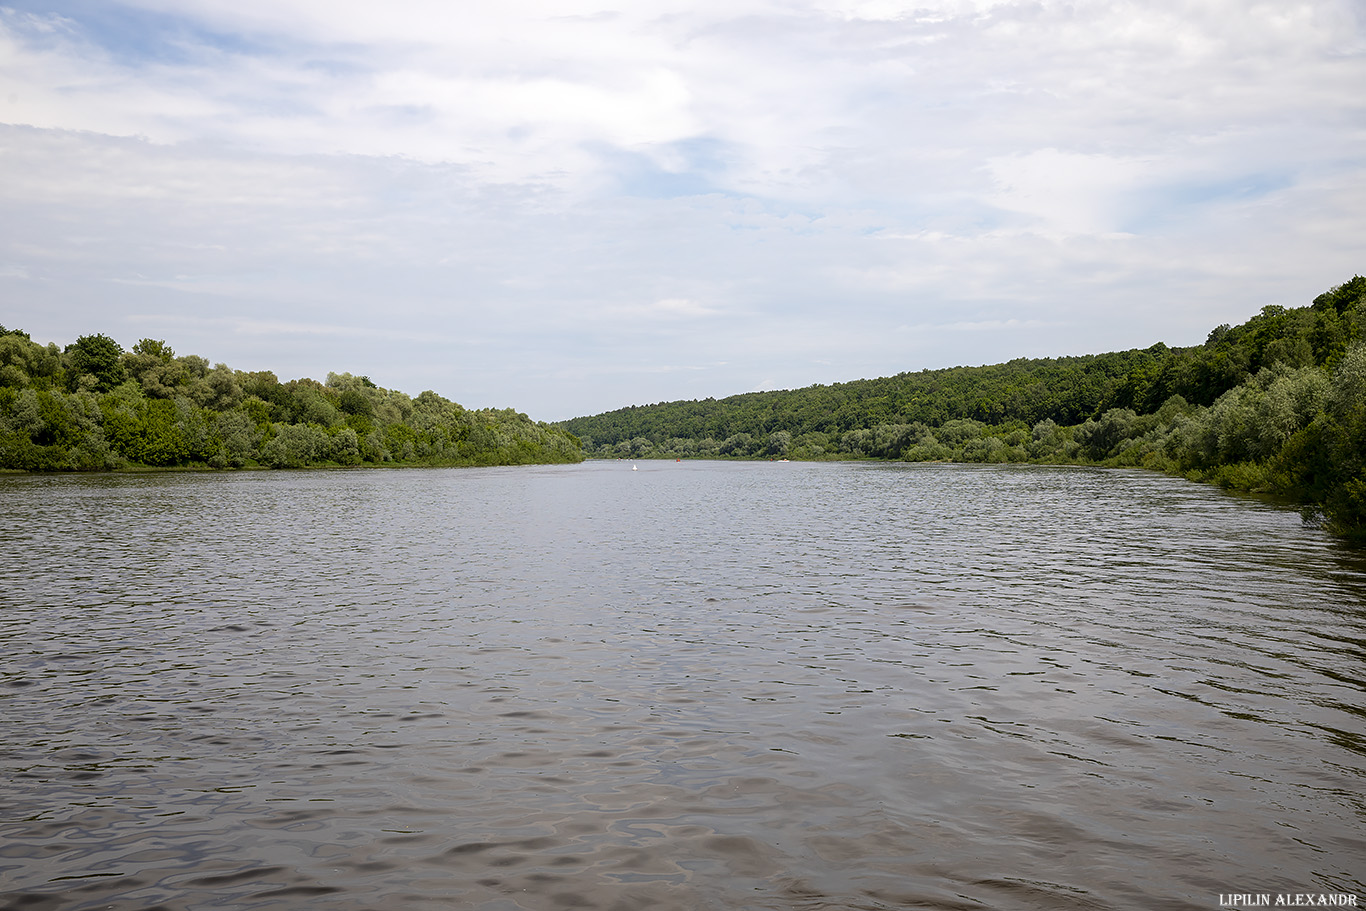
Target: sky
(570, 207)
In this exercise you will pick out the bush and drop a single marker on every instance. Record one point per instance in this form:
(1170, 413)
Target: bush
(294, 446)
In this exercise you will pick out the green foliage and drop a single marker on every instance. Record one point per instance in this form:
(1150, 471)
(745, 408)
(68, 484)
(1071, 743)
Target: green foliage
(1342, 298)
(146, 431)
(1276, 404)
(153, 365)
(1065, 390)
(98, 407)
(1333, 447)
(238, 436)
(24, 363)
(155, 349)
(95, 362)
(294, 446)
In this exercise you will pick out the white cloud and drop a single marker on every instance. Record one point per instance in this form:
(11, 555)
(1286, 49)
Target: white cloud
(1068, 192)
(493, 201)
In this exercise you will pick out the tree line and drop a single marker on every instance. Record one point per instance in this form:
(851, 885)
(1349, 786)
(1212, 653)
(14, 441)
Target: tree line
(1276, 405)
(94, 406)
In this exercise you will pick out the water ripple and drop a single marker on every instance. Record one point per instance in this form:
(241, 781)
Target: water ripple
(698, 685)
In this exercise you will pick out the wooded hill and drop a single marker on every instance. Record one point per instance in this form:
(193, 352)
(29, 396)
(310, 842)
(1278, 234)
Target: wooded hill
(94, 406)
(1277, 404)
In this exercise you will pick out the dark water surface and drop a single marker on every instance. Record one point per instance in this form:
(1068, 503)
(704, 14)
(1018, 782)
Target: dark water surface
(692, 686)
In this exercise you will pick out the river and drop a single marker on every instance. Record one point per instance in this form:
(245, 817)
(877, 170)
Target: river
(695, 685)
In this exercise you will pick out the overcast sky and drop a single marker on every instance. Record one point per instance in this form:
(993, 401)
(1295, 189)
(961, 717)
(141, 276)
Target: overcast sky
(565, 207)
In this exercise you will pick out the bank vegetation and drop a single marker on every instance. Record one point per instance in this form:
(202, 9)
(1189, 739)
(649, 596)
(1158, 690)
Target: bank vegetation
(1274, 405)
(93, 406)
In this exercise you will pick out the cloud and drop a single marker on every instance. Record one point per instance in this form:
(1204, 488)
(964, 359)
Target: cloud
(518, 203)
(670, 309)
(988, 325)
(1067, 192)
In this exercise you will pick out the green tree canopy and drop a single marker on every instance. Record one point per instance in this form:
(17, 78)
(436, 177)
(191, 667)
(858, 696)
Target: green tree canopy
(98, 357)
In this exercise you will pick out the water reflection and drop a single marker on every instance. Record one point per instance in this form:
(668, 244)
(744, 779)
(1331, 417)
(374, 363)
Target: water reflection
(698, 685)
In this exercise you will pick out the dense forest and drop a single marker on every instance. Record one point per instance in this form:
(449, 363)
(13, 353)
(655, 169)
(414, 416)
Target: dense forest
(1275, 405)
(95, 406)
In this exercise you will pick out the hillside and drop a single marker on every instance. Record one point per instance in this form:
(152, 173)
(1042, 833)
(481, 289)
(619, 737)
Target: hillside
(1276, 404)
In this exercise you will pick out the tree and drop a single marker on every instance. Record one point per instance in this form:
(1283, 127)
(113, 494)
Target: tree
(294, 446)
(239, 436)
(1345, 436)
(20, 360)
(154, 348)
(96, 356)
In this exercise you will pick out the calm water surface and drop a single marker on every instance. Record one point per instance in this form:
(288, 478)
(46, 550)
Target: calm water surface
(692, 686)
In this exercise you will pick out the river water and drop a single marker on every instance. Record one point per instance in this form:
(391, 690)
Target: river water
(695, 685)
